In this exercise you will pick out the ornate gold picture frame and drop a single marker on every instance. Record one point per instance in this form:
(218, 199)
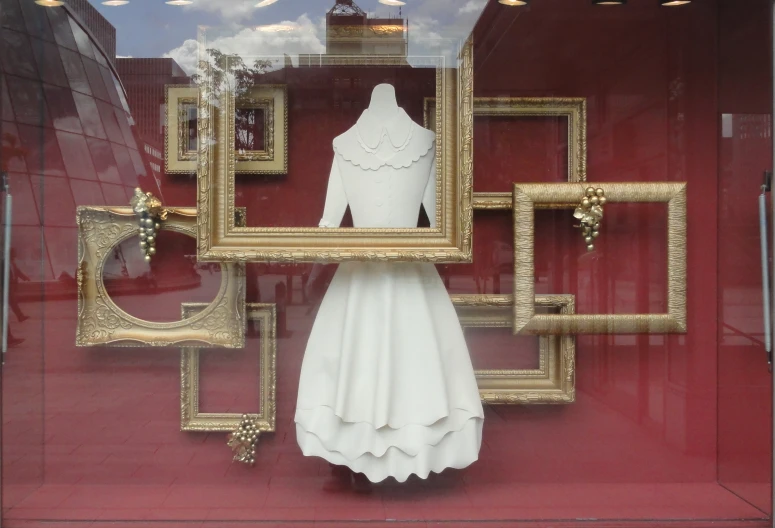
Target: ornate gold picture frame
(191, 419)
(572, 108)
(525, 199)
(267, 103)
(220, 240)
(102, 323)
(553, 381)
(180, 138)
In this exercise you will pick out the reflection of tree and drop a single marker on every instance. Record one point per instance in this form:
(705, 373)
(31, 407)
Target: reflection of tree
(229, 73)
(9, 150)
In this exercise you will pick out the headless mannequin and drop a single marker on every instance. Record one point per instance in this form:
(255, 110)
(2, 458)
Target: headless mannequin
(383, 105)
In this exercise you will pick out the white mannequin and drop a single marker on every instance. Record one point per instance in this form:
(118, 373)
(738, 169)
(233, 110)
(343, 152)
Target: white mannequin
(387, 388)
(383, 103)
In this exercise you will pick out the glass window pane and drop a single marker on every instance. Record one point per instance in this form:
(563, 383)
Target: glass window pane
(64, 114)
(87, 193)
(24, 210)
(99, 56)
(137, 161)
(36, 20)
(104, 161)
(13, 153)
(125, 166)
(63, 33)
(6, 108)
(95, 80)
(90, 115)
(123, 122)
(41, 151)
(49, 63)
(75, 71)
(114, 194)
(28, 101)
(109, 122)
(11, 15)
(107, 77)
(82, 39)
(54, 200)
(16, 54)
(76, 156)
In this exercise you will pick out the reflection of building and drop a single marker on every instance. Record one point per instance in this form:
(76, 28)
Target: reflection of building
(349, 31)
(67, 135)
(145, 81)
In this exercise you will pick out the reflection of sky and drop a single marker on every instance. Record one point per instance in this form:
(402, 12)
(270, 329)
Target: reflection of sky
(154, 29)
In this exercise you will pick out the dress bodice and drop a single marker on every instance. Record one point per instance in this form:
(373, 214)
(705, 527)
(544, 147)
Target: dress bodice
(384, 170)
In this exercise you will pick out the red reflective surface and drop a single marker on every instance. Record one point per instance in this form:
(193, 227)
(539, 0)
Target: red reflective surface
(664, 428)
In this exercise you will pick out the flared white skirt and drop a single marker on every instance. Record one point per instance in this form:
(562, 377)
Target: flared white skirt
(387, 387)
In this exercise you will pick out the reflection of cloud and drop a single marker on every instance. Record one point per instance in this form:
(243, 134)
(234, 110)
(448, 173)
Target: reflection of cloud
(264, 3)
(472, 6)
(288, 37)
(228, 9)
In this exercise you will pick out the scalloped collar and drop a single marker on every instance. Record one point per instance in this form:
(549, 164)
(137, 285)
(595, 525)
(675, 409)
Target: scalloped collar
(372, 131)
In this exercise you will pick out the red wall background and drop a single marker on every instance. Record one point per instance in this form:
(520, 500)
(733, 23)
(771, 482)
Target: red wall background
(659, 420)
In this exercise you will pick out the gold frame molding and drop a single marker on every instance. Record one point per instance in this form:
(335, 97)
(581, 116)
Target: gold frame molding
(177, 159)
(527, 196)
(573, 108)
(273, 99)
(190, 417)
(554, 381)
(102, 323)
(220, 240)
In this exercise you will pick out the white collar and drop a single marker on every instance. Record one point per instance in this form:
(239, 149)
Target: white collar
(371, 130)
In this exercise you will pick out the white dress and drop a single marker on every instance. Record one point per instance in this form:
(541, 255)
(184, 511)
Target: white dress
(387, 387)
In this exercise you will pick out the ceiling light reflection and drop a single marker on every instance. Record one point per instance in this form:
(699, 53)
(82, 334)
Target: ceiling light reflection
(264, 3)
(115, 2)
(392, 2)
(49, 3)
(179, 2)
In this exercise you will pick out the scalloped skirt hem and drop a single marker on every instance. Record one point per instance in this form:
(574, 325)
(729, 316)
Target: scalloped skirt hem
(456, 449)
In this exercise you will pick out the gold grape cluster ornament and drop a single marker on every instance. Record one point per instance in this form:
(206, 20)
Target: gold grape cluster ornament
(150, 214)
(589, 214)
(243, 441)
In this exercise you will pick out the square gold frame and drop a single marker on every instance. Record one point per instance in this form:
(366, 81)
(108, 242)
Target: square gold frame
(220, 240)
(527, 196)
(177, 99)
(271, 98)
(102, 323)
(572, 108)
(554, 381)
(191, 419)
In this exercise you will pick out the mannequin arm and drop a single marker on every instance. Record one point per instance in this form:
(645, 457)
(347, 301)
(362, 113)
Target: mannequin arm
(429, 197)
(336, 200)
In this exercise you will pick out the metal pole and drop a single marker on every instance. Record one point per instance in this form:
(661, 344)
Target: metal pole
(772, 371)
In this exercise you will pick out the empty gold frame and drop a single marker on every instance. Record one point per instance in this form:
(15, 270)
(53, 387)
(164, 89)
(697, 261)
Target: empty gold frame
(191, 419)
(572, 108)
(267, 103)
(554, 379)
(180, 138)
(527, 196)
(102, 323)
(220, 240)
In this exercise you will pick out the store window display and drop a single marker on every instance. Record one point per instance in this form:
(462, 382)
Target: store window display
(365, 254)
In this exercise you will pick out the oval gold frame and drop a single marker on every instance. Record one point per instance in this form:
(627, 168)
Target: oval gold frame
(102, 323)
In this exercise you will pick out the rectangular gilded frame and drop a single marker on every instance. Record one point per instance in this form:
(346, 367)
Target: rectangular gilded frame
(273, 159)
(102, 323)
(180, 100)
(220, 240)
(572, 108)
(191, 419)
(272, 99)
(553, 381)
(525, 198)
